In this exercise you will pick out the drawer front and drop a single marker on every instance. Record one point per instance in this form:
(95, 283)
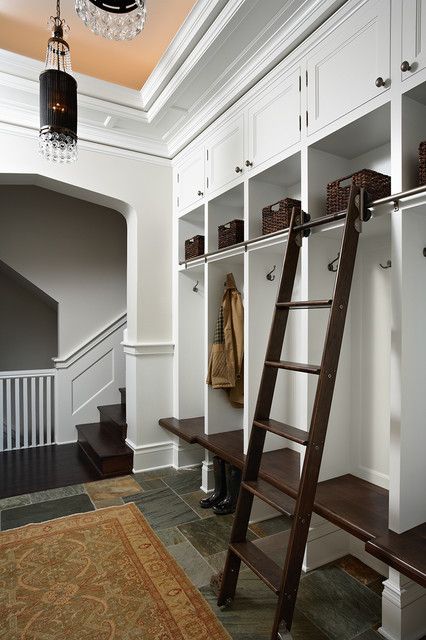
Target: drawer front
(225, 152)
(190, 177)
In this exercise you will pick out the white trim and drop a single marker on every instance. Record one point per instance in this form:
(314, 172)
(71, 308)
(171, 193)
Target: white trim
(148, 348)
(66, 361)
(151, 456)
(36, 373)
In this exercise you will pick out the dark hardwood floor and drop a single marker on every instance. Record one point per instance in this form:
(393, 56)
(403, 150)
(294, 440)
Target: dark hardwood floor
(42, 468)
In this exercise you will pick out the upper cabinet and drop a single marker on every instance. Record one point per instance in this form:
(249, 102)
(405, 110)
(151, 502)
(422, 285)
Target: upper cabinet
(190, 179)
(413, 56)
(274, 122)
(225, 154)
(351, 65)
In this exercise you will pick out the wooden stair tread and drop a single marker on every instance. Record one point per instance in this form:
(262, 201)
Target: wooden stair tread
(284, 430)
(115, 413)
(405, 552)
(305, 304)
(272, 496)
(265, 568)
(102, 441)
(294, 366)
(189, 429)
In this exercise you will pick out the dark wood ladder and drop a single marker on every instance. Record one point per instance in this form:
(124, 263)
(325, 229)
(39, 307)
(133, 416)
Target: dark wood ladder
(285, 582)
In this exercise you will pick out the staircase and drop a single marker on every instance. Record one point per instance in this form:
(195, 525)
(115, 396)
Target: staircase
(104, 442)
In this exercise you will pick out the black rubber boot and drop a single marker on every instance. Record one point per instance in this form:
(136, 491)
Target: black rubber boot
(219, 492)
(233, 483)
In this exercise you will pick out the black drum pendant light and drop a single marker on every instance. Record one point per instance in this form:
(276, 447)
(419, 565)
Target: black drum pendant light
(58, 98)
(113, 19)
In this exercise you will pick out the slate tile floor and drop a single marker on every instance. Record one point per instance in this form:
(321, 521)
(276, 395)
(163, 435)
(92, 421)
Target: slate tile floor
(337, 602)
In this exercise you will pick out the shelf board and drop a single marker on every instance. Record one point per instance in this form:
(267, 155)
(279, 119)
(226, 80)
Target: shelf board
(353, 504)
(405, 552)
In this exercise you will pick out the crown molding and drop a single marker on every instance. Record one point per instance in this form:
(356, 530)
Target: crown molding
(200, 18)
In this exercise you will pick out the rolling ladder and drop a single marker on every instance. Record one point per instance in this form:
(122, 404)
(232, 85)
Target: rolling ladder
(285, 582)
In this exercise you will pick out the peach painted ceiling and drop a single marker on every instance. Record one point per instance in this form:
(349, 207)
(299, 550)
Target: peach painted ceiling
(23, 30)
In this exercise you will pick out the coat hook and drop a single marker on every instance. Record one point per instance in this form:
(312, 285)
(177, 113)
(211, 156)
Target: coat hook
(195, 287)
(387, 265)
(331, 264)
(269, 275)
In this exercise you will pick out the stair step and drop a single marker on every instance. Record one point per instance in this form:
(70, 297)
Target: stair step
(271, 495)
(294, 366)
(284, 430)
(265, 568)
(105, 450)
(305, 304)
(114, 416)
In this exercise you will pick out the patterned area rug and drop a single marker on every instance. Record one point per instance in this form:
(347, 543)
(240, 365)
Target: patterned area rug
(102, 575)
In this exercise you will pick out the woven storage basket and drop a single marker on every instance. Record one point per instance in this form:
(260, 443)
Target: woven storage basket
(230, 233)
(377, 185)
(422, 163)
(194, 247)
(275, 219)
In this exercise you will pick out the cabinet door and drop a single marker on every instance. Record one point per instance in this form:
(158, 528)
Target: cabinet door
(274, 120)
(413, 35)
(225, 152)
(190, 177)
(342, 70)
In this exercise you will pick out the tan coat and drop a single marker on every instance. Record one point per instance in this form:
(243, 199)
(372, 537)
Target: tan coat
(227, 351)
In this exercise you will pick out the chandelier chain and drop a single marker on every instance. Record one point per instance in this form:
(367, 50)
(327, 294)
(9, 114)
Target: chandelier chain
(58, 8)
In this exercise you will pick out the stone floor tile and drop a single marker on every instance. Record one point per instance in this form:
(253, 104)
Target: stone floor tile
(271, 526)
(163, 508)
(217, 561)
(358, 570)
(112, 488)
(163, 472)
(172, 536)
(337, 603)
(147, 484)
(211, 535)
(112, 502)
(56, 494)
(43, 511)
(194, 565)
(193, 499)
(186, 481)
(15, 501)
(369, 635)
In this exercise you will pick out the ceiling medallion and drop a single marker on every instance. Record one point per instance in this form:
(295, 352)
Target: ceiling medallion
(58, 98)
(113, 19)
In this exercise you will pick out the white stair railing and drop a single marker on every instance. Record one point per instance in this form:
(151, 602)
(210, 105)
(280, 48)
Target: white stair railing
(27, 415)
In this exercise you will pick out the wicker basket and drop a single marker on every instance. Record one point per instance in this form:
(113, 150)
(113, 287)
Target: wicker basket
(376, 184)
(194, 247)
(422, 163)
(275, 219)
(230, 233)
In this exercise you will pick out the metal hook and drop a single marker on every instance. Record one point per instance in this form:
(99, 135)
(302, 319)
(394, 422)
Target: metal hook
(195, 287)
(269, 275)
(331, 264)
(387, 265)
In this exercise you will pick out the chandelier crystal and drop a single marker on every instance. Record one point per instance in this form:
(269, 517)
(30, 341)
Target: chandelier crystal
(58, 98)
(113, 19)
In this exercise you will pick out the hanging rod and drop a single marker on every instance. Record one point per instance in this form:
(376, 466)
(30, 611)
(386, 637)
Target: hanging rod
(396, 197)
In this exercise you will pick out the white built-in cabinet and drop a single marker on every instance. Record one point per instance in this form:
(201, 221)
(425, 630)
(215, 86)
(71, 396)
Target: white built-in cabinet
(351, 66)
(352, 124)
(413, 20)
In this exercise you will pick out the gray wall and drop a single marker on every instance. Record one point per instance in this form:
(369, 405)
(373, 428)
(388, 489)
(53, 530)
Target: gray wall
(28, 327)
(72, 250)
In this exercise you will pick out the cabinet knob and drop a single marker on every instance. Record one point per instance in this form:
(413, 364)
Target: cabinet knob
(200, 193)
(405, 66)
(380, 82)
(248, 163)
(238, 170)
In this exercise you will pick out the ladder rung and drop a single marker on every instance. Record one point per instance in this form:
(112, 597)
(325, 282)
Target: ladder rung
(284, 430)
(271, 495)
(305, 304)
(294, 366)
(259, 563)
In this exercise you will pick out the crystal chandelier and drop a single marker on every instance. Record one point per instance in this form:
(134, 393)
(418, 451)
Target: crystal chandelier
(58, 98)
(113, 19)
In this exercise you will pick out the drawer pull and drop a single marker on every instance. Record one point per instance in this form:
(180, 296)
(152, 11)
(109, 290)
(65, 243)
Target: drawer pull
(238, 170)
(405, 66)
(380, 82)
